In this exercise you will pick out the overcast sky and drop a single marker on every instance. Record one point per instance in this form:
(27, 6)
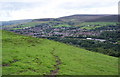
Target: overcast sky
(33, 9)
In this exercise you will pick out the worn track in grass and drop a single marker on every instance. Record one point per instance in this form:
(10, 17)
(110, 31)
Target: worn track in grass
(56, 66)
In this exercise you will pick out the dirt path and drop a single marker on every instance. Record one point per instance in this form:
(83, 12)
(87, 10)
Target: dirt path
(56, 66)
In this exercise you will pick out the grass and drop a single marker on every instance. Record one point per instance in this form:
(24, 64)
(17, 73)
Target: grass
(29, 52)
(16, 28)
(25, 55)
(32, 24)
(0, 52)
(28, 24)
(93, 25)
(83, 25)
(65, 25)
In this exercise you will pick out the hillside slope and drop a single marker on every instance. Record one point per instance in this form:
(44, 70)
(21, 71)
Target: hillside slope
(77, 18)
(90, 18)
(3, 23)
(24, 55)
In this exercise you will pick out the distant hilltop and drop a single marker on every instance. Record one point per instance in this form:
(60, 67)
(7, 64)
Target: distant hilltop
(72, 18)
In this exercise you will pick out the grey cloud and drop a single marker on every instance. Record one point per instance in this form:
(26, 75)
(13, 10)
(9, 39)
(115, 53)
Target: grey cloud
(6, 8)
(77, 5)
(19, 5)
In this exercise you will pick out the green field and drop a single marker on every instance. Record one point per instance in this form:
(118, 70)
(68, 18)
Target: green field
(89, 25)
(65, 25)
(24, 25)
(82, 25)
(93, 25)
(29, 24)
(25, 55)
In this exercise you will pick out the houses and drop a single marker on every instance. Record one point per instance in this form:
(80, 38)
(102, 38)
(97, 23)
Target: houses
(41, 30)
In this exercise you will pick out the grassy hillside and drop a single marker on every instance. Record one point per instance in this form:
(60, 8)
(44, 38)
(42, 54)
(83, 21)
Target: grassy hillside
(90, 18)
(66, 21)
(23, 25)
(93, 25)
(0, 51)
(82, 25)
(24, 55)
(65, 25)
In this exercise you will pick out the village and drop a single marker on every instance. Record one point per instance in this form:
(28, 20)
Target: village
(96, 39)
(47, 30)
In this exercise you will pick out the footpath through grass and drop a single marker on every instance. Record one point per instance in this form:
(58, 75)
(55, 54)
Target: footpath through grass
(24, 55)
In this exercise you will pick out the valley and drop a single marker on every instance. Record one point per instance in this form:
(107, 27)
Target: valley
(104, 34)
(70, 45)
